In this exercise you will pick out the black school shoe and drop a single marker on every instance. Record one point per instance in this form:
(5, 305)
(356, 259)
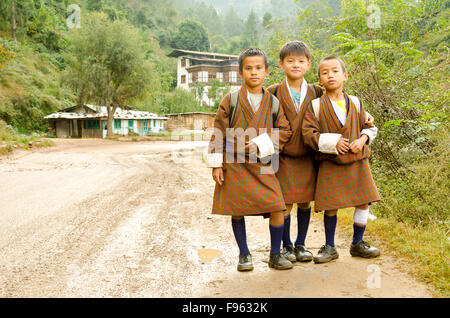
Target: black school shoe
(326, 254)
(245, 263)
(278, 261)
(289, 253)
(363, 249)
(302, 254)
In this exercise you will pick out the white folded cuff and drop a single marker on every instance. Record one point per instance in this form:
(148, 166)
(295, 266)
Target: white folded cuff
(371, 133)
(214, 160)
(328, 142)
(264, 144)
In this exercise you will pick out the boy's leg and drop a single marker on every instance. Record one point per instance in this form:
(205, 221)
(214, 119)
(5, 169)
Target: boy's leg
(328, 252)
(359, 247)
(329, 222)
(288, 248)
(240, 234)
(287, 226)
(359, 222)
(303, 219)
(276, 227)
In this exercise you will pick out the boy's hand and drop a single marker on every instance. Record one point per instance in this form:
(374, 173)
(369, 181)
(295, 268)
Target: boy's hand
(357, 145)
(370, 121)
(217, 174)
(251, 148)
(342, 146)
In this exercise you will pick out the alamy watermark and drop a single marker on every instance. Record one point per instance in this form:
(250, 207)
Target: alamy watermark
(73, 21)
(373, 16)
(374, 279)
(235, 146)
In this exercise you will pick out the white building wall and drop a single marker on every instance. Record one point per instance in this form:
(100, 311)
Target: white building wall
(182, 71)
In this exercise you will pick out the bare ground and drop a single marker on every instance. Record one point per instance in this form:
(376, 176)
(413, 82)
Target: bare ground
(101, 218)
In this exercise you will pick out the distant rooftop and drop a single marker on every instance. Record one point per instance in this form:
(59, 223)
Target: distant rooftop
(101, 112)
(178, 52)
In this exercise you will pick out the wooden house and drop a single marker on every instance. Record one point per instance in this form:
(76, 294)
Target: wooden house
(90, 121)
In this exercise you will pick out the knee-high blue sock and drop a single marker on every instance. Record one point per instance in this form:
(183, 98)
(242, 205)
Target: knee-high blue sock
(358, 233)
(330, 227)
(303, 218)
(240, 235)
(287, 231)
(276, 234)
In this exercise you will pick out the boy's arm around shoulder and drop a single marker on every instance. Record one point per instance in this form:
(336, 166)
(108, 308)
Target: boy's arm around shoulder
(370, 131)
(215, 154)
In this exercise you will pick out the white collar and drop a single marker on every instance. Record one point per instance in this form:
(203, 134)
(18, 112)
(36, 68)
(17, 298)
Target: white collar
(303, 91)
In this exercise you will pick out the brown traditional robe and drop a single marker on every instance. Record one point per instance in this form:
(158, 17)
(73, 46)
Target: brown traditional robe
(248, 189)
(297, 172)
(343, 180)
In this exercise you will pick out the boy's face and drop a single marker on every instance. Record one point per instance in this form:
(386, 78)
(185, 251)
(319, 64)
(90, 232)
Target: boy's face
(295, 66)
(331, 75)
(254, 71)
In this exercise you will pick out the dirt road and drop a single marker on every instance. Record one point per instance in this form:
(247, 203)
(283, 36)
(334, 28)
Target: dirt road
(100, 218)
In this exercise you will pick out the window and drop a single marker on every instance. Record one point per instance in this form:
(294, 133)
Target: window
(190, 78)
(117, 124)
(211, 76)
(183, 62)
(145, 125)
(219, 76)
(233, 77)
(130, 125)
(203, 77)
(183, 79)
(92, 124)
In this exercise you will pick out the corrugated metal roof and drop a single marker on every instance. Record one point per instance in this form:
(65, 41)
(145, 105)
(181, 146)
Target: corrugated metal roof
(101, 112)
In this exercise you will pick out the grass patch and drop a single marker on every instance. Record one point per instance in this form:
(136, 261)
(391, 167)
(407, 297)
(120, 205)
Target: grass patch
(10, 139)
(426, 249)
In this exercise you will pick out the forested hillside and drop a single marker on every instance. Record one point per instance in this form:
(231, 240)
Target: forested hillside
(396, 54)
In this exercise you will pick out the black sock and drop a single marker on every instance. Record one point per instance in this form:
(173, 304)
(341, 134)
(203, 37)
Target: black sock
(303, 218)
(330, 227)
(287, 231)
(240, 235)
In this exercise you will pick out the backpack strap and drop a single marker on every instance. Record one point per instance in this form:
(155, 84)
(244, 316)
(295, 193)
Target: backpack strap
(234, 96)
(357, 102)
(275, 107)
(316, 107)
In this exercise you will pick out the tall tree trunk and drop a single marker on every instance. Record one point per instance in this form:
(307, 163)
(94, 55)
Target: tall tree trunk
(13, 20)
(111, 110)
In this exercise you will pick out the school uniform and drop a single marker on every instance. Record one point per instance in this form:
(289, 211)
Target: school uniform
(343, 180)
(297, 171)
(249, 188)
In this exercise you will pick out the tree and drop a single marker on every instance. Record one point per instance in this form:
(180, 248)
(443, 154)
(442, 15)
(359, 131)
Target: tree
(191, 35)
(250, 34)
(107, 64)
(233, 23)
(267, 19)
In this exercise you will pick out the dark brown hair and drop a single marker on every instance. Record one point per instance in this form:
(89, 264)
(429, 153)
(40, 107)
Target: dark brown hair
(295, 47)
(252, 52)
(332, 57)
